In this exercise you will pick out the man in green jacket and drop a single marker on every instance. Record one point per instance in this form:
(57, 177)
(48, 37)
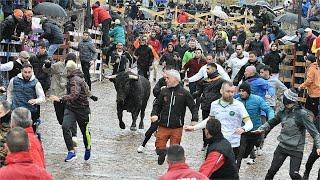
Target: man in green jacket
(294, 121)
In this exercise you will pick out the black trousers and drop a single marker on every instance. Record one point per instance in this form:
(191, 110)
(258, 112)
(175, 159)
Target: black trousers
(82, 118)
(86, 72)
(59, 109)
(105, 30)
(247, 143)
(205, 114)
(279, 156)
(35, 116)
(153, 128)
(311, 160)
(312, 105)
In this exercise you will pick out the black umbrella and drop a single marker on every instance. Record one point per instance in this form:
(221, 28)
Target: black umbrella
(50, 9)
(262, 3)
(291, 18)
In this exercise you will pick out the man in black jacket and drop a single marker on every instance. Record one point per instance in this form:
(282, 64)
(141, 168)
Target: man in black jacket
(53, 33)
(120, 60)
(8, 26)
(169, 111)
(256, 45)
(251, 62)
(209, 90)
(182, 47)
(144, 58)
(37, 61)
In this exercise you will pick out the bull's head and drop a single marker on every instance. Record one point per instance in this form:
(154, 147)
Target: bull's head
(122, 83)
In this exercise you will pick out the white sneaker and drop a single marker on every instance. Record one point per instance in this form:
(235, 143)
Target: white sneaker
(251, 161)
(140, 149)
(259, 151)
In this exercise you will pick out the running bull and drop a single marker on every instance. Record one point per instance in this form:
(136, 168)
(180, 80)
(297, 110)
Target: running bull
(133, 92)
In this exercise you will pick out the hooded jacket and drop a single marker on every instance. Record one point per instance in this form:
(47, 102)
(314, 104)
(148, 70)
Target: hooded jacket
(76, 97)
(312, 83)
(170, 107)
(87, 50)
(118, 35)
(52, 32)
(260, 86)
(99, 15)
(294, 123)
(58, 74)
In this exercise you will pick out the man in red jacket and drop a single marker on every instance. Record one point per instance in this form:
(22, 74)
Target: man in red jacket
(220, 160)
(102, 16)
(178, 169)
(21, 117)
(19, 162)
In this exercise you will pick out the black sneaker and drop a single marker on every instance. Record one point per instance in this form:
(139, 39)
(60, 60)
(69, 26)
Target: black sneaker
(161, 159)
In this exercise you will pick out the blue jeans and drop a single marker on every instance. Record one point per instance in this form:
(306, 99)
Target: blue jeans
(52, 48)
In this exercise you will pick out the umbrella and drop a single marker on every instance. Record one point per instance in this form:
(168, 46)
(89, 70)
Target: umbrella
(217, 11)
(262, 3)
(291, 18)
(50, 9)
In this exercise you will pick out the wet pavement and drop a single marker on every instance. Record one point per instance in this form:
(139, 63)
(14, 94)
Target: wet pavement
(114, 154)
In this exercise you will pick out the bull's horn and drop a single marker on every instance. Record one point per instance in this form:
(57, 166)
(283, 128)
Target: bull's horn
(133, 77)
(111, 77)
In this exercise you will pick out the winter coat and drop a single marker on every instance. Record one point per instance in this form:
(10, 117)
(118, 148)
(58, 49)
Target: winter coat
(260, 86)
(242, 36)
(273, 59)
(181, 49)
(58, 74)
(254, 105)
(35, 148)
(87, 50)
(120, 62)
(183, 18)
(24, 26)
(8, 28)
(99, 15)
(294, 123)
(145, 56)
(209, 89)
(52, 32)
(37, 61)
(118, 35)
(155, 43)
(257, 46)
(312, 83)
(167, 57)
(240, 76)
(76, 97)
(21, 166)
(309, 41)
(69, 26)
(182, 171)
(171, 105)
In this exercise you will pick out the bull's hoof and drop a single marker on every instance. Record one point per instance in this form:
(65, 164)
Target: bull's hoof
(133, 128)
(122, 125)
(141, 126)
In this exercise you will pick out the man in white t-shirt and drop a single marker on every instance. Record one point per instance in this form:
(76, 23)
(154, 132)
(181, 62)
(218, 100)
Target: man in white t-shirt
(237, 61)
(202, 73)
(231, 113)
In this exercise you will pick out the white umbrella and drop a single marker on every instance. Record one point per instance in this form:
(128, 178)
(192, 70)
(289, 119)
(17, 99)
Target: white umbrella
(217, 11)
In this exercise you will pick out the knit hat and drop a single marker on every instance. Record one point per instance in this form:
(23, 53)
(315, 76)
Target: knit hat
(245, 87)
(18, 13)
(291, 94)
(71, 66)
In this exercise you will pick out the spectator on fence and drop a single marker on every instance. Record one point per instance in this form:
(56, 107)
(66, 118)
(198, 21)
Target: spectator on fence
(9, 25)
(310, 37)
(102, 16)
(25, 25)
(53, 33)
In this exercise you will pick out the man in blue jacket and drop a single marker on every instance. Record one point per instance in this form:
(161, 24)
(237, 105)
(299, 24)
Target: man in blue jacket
(254, 105)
